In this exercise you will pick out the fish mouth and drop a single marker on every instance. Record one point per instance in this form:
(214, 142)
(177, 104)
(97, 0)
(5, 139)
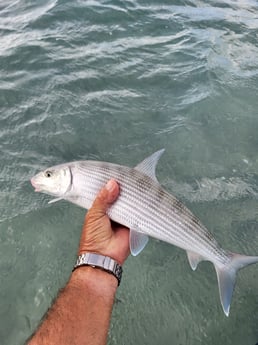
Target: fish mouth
(35, 185)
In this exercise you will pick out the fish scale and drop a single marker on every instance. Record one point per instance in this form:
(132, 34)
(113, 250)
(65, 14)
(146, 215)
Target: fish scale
(147, 210)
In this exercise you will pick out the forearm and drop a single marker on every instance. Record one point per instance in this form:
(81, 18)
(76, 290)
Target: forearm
(75, 317)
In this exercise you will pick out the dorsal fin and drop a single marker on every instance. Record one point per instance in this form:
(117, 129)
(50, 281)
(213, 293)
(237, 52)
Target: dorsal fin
(148, 165)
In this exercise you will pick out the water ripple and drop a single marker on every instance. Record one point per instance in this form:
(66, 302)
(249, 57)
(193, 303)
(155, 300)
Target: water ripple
(116, 80)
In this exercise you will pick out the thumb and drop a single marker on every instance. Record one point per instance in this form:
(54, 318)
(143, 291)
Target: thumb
(107, 195)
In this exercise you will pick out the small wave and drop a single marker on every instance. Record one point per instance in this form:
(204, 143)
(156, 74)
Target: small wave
(19, 16)
(208, 190)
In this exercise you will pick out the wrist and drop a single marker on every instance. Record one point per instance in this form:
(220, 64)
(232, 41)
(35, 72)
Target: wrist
(109, 254)
(87, 278)
(102, 262)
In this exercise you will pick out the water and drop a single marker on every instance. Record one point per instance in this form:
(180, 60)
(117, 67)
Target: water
(116, 81)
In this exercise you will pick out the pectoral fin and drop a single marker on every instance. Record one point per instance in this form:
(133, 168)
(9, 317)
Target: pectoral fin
(55, 200)
(137, 242)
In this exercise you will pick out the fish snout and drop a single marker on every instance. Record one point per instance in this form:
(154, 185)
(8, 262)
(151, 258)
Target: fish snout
(35, 185)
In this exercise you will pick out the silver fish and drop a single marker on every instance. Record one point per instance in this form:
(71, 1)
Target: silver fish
(147, 210)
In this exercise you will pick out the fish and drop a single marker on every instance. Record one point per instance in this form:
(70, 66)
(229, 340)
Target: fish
(147, 209)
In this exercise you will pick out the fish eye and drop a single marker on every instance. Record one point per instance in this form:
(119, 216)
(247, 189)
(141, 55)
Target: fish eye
(48, 173)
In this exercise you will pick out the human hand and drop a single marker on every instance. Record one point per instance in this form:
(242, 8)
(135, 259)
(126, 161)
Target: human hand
(99, 234)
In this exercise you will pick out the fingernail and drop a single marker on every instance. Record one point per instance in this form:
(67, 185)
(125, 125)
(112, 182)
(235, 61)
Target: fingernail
(110, 186)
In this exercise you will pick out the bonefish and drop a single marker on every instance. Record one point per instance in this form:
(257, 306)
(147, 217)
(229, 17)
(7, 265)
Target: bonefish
(147, 210)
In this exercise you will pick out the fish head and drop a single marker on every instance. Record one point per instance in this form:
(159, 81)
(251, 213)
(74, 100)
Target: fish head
(55, 181)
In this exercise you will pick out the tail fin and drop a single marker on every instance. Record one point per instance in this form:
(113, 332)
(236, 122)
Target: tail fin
(227, 275)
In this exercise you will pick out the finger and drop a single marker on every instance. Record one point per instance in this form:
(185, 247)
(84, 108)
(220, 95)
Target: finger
(107, 195)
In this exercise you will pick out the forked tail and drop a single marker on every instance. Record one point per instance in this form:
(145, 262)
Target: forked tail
(227, 277)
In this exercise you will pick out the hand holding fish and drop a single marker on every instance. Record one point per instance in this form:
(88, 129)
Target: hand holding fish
(99, 234)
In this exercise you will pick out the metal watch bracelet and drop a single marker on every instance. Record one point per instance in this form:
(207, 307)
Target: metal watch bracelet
(100, 261)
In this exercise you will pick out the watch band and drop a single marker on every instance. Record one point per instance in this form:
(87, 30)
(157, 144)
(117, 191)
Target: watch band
(100, 261)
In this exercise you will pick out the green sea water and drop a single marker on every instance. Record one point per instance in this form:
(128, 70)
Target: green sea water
(115, 81)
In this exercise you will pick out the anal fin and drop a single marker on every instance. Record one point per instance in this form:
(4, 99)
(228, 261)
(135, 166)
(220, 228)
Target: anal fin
(194, 259)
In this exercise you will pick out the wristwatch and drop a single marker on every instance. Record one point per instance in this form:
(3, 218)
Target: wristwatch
(100, 261)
